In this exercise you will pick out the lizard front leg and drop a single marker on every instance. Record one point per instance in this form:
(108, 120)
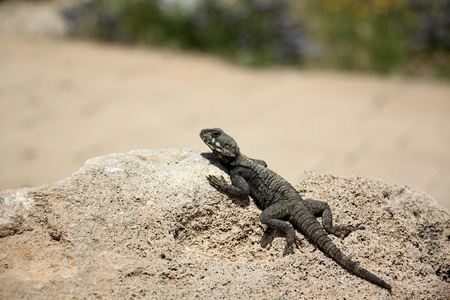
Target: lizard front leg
(238, 186)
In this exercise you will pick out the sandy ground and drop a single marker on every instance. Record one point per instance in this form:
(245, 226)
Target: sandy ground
(63, 102)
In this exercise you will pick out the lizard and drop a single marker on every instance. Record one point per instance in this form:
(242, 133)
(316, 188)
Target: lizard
(282, 206)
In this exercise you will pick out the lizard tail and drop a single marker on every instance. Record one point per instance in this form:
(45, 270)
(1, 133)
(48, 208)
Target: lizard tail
(348, 264)
(321, 239)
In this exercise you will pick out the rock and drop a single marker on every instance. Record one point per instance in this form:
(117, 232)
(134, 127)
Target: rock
(146, 224)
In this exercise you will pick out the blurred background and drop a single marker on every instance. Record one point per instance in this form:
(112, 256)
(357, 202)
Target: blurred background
(343, 87)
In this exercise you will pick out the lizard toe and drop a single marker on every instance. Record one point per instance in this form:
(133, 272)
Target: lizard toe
(289, 249)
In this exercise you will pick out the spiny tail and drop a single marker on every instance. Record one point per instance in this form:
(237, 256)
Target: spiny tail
(319, 237)
(351, 266)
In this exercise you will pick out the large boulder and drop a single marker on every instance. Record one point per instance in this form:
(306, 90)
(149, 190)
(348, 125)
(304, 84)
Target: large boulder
(146, 224)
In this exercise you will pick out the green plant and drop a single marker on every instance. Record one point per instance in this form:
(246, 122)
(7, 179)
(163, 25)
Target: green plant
(362, 35)
(254, 32)
(384, 36)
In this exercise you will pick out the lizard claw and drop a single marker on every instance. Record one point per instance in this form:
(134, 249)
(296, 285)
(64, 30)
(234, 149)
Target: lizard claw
(217, 182)
(290, 241)
(343, 231)
(289, 249)
(359, 226)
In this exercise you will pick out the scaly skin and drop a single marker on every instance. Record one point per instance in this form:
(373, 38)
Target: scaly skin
(279, 201)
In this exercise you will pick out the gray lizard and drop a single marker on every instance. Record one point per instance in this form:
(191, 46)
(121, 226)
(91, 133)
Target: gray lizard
(281, 204)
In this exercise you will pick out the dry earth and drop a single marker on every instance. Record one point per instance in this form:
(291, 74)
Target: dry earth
(146, 224)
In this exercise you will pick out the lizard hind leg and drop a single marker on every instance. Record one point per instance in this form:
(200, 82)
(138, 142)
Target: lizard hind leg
(321, 209)
(274, 216)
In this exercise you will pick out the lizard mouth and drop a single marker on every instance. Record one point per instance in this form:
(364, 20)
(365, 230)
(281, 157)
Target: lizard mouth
(219, 142)
(212, 144)
(209, 137)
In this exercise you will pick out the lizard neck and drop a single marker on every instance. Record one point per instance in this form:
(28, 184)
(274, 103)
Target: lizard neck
(241, 160)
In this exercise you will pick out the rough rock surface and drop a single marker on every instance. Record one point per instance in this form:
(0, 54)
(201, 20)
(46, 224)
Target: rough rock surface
(146, 224)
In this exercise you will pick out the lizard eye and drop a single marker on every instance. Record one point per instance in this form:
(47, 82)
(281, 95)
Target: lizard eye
(215, 134)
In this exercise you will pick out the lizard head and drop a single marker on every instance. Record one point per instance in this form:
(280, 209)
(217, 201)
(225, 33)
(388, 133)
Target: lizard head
(224, 146)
